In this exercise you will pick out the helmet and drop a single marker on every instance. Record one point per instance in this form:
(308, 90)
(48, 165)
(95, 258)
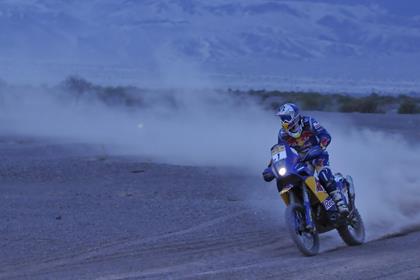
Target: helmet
(291, 120)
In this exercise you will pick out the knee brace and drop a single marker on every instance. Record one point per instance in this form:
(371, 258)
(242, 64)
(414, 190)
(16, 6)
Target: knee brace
(326, 178)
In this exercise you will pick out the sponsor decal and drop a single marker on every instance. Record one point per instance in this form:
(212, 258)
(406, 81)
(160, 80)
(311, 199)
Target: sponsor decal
(328, 203)
(304, 139)
(324, 142)
(319, 162)
(277, 149)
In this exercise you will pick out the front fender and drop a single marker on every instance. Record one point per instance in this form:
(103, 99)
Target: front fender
(285, 193)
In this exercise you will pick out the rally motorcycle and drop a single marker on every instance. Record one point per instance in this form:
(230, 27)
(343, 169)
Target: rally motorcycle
(310, 210)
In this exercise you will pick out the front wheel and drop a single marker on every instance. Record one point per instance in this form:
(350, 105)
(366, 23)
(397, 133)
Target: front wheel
(307, 241)
(354, 233)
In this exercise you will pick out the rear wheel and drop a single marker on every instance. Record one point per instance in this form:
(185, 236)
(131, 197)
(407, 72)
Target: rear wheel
(354, 233)
(307, 241)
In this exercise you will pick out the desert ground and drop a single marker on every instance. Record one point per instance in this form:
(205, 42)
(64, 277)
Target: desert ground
(69, 212)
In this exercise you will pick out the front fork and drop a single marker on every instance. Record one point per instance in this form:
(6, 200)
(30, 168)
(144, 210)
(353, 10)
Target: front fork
(306, 205)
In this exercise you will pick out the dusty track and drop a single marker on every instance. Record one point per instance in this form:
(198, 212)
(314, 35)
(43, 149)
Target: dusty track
(68, 214)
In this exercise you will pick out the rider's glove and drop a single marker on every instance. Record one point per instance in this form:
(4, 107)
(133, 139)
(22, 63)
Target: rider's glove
(268, 175)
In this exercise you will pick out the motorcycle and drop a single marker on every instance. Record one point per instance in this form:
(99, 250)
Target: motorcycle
(310, 210)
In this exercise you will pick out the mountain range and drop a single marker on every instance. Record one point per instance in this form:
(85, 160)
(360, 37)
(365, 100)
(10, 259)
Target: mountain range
(228, 39)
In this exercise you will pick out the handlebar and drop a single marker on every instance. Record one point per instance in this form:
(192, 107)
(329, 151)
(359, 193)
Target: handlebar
(313, 153)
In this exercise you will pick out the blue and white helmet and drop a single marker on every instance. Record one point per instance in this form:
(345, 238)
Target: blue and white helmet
(291, 120)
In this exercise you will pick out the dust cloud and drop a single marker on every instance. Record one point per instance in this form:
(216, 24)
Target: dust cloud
(205, 127)
(384, 168)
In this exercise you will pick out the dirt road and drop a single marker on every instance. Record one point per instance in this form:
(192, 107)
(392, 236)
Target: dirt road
(67, 212)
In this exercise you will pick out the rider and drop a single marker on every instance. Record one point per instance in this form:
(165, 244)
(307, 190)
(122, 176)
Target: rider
(303, 133)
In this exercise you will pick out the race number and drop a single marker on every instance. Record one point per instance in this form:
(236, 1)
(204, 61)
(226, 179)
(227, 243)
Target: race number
(278, 153)
(328, 203)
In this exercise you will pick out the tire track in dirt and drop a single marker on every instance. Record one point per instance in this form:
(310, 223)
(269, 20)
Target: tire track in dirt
(47, 265)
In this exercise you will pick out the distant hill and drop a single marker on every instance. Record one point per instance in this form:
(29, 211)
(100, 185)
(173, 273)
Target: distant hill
(351, 40)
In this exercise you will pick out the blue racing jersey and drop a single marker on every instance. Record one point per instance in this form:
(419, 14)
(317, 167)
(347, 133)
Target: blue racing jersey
(313, 134)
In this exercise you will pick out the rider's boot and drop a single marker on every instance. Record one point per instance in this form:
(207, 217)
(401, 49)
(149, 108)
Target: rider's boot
(328, 181)
(339, 201)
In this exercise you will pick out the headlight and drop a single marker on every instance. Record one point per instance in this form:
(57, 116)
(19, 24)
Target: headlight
(282, 171)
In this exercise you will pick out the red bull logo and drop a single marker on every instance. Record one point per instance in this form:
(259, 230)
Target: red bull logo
(319, 187)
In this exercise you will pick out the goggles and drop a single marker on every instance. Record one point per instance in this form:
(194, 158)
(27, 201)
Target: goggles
(288, 123)
(285, 118)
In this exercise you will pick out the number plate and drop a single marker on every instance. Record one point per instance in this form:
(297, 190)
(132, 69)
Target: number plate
(278, 153)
